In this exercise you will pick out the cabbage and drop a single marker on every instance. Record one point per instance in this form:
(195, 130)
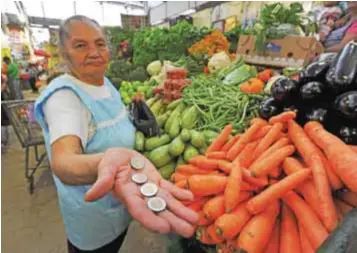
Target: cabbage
(218, 61)
(154, 68)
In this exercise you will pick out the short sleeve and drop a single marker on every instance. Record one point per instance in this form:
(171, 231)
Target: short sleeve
(353, 28)
(65, 115)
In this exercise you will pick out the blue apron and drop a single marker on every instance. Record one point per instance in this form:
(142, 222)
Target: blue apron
(92, 225)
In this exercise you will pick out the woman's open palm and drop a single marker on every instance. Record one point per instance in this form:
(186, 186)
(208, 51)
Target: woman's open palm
(113, 175)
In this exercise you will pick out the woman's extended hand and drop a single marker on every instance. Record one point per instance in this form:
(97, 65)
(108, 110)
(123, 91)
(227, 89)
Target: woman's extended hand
(114, 174)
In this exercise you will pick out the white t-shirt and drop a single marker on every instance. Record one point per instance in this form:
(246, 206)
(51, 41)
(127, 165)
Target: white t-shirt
(65, 113)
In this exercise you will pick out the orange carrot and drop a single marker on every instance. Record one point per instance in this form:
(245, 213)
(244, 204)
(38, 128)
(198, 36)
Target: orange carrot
(266, 165)
(245, 195)
(230, 143)
(202, 221)
(205, 185)
(248, 187)
(256, 234)
(197, 205)
(225, 166)
(221, 139)
(258, 203)
(189, 169)
(268, 140)
(327, 208)
(202, 236)
(204, 163)
(228, 246)
(245, 157)
(273, 244)
(283, 117)
(183, 184)
(304, 241)
(341, 157)
(247, 176)
(343, 206)
(354, 148)
(229, 225)
(216, 155)
(211, 230)
(214, 208)
(261, 133)
(258, 121)
(231, 193)
(244, 140)
(313, 227)
(307, 188)
(289, 235)
(348, 197)
(276, 172)
(307, 148)
(176, 177)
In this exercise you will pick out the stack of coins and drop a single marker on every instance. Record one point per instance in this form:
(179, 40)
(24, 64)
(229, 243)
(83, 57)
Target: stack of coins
(149, 190)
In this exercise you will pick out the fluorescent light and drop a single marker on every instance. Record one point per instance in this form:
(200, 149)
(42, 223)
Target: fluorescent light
(187, 12)
(158, 22)
(54, 26)
(36, 25)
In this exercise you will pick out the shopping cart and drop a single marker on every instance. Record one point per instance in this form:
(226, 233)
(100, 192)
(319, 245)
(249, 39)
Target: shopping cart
(29, 133)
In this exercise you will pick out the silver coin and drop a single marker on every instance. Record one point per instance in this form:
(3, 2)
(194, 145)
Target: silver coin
(156, 204)
(149, 189)
(137, 163)
(139, 178)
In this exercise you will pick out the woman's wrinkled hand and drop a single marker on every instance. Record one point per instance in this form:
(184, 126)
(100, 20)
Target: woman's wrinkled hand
(114, 174)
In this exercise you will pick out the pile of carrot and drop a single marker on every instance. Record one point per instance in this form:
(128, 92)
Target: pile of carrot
(275, 188)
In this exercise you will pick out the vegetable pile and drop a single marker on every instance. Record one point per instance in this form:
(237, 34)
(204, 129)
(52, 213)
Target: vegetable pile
(178, 141)
(277, 187)
(219, 104)
(129, 89)
(326, 92)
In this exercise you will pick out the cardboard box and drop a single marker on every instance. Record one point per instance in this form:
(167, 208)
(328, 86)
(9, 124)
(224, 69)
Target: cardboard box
(291, 51)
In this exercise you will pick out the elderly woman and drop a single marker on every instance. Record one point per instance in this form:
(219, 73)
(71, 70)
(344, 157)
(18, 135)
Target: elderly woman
(340, 37)
(89, 139)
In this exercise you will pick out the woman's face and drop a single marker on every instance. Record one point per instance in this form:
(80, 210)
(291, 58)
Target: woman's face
(86, 50)
(352, 7)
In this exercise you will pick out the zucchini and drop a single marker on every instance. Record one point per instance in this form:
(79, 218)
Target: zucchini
(344, 238)
(155, 142)
(190, 152)
(185, 135)
(174, 104)
(189, 118)
(174, 130)
(197, 139)
(167, 170)
(180, 161)
(155, 109)
(161, 120)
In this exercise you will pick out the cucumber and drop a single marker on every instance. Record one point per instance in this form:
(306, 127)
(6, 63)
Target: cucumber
(343, 238)
(167, 170)
(177, 146)
(160, 156)
(139, 141)
(190, 152)
(185, 135)
(155, 142)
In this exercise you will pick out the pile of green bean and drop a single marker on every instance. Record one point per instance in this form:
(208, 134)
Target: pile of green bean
(221, 104)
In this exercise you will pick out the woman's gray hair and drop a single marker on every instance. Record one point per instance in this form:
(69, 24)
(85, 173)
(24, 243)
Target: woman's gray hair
(63, 30)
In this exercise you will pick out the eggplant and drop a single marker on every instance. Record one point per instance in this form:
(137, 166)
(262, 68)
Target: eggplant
(312, 91)
(316, 71)
(317, 114)
(342, 74)
(346, 105)
(348, 134)
(269, 108)
(284, 89)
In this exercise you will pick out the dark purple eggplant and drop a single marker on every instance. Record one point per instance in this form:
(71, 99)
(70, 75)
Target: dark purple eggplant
(317, 114)
(343, 70)
(348, 134)
(269, 108)
(284, 89)
(316, 71)
(346, 105)
(312, 91)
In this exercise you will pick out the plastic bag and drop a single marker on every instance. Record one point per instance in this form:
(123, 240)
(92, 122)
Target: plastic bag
(143, 119)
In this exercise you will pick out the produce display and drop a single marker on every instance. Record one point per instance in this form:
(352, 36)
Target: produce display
(326, 92)
(277, 187)
(129, 89)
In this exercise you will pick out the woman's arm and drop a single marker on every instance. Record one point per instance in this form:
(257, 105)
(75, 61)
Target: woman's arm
(348, 38)
(73, 167)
